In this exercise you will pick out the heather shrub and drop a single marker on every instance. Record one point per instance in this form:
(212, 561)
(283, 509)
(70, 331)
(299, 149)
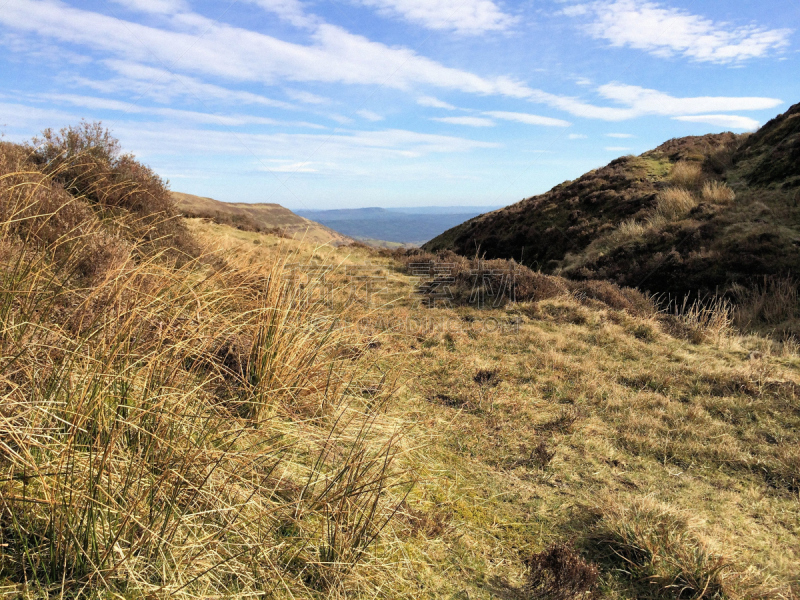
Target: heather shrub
(560, 573)
(88, 162)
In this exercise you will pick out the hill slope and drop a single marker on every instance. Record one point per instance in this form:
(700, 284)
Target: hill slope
(189, 411)
(665, 221)
(257, 217)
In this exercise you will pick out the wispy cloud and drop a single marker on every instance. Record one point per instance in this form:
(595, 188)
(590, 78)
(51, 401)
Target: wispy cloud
(665, 31)
(468, 121)
(432, 102)
(528, 119)
(288, 167)
(620, 136)
(227, 120)
(369, 115)
(578, 136)
(291, 11)
(167, 7)
(216, 49)
(164, 86)
(469, 17)
(728, 121)
(149, 138)
(335, 56)
(634, 101)
(306, 97)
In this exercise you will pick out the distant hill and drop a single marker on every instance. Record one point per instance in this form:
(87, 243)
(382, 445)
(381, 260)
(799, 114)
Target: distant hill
(408, 225)
(697, 214)
(257, 217)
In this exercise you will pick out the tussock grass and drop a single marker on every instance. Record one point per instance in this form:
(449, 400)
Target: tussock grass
(718, 192)
(686, 174)
(673, 203)
(628, 231)
(657, 547)
(169, 424)
(773, 301)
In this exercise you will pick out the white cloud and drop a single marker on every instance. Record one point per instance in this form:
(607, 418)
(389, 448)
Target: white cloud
(307, 97)
(147, 139)
(665, 32)
(291, 11)
(463, 16)
(167, 7)
(216, 49)
(653, 102)
(369, 115)
(432, 102)
(26, 117)
(468, 121)
(341, 119)
(528, 119)
(298, 167)
(163, 86)
(636, 102)
(227, 120)
(234, 54)
(620, 136)
(728, 121)
(578, 136)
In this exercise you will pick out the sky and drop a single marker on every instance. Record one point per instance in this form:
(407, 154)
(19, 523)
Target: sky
(355, 103)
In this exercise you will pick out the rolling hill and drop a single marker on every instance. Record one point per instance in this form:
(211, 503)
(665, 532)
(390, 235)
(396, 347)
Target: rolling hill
(263, 218)
(695, 215)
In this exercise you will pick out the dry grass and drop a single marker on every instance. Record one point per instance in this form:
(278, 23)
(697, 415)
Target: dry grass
(659, 550)
(673, 203)
(687, 175)
(628, 231)
(206, 428)
(175, 428)
(770, 305)
(718, 192)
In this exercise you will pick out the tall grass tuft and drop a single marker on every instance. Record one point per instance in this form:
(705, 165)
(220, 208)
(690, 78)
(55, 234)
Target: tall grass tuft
(687, 175)
(673, 203)
(718, 192)
(659, 548)
(771, 302)
(170, 424)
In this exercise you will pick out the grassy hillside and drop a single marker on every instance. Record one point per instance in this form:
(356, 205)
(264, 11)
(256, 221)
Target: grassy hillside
(192, 410)
(700, 214)
(265, 218)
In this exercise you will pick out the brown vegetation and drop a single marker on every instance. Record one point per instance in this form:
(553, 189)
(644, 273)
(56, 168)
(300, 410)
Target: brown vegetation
(697, 215)
(206, 425)
(150, 395)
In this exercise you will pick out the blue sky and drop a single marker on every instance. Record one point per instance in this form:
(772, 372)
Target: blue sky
(393, 102)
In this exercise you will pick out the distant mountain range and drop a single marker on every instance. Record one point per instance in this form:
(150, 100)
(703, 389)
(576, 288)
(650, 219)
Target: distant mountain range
(404, 225)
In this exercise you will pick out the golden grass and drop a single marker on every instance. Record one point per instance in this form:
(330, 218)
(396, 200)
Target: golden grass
(686, 174)
(718, 192)
(176, 429)
(673, 203)
(208, 428)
